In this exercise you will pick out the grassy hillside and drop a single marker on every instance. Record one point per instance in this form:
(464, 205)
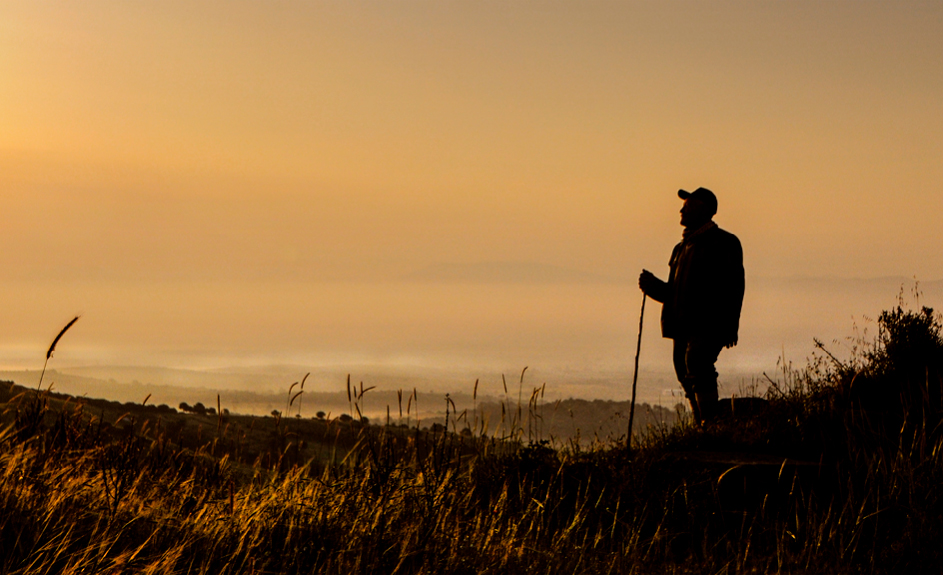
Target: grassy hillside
(838, 471)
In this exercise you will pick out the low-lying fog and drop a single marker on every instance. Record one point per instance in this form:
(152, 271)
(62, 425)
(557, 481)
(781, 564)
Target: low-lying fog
(436, 332)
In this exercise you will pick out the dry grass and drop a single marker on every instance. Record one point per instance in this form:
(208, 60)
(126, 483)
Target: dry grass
(855, 490)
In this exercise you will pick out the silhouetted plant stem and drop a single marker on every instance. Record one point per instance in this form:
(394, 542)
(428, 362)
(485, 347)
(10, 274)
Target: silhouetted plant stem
(52, 348)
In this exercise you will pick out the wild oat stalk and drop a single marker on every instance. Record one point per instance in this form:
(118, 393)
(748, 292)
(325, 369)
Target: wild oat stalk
(52, 348)
(302, 389)
(289, 401)
(294, 397)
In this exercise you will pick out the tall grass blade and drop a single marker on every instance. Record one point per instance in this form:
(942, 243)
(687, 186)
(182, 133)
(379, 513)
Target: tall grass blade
(52, 348)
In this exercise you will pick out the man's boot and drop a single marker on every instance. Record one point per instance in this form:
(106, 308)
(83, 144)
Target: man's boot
(707, 405)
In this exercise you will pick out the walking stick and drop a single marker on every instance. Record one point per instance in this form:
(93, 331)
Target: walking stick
(638, 350)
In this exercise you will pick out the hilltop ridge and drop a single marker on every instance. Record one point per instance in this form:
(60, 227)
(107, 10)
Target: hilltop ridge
(837, 470)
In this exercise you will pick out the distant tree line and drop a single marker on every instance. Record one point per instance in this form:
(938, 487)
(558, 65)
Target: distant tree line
(199, 409)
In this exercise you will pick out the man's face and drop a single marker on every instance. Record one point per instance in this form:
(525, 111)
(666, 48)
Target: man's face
(694, 213)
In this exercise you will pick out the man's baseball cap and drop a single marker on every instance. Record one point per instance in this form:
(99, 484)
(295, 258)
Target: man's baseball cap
(702, 195)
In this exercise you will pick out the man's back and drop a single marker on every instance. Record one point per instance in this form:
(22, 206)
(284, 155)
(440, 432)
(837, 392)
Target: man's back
(705, 287)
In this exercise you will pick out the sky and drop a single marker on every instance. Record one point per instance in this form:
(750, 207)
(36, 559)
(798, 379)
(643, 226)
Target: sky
(267, 179)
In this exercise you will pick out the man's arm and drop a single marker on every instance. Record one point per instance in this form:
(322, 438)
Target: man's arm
(734, 284)
(739, 285)
(652, 286)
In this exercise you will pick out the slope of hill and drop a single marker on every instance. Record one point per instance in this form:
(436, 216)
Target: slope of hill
(838, 472)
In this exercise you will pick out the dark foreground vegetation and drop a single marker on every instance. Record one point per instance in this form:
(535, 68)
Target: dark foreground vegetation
(839, 471)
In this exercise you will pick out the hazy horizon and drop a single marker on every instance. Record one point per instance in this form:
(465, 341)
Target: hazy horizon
(587, 352)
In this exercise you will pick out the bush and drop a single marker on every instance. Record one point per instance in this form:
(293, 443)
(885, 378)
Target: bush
(899, 374)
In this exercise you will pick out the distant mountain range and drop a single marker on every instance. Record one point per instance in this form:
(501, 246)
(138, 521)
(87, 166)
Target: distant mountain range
(505, 272)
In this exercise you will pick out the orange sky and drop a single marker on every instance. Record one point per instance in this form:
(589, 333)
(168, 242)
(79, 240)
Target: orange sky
(150, 146)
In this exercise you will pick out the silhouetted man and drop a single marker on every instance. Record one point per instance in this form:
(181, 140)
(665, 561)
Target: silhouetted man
(701, 299)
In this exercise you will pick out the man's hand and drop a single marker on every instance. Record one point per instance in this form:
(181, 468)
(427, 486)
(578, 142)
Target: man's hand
(648, 283)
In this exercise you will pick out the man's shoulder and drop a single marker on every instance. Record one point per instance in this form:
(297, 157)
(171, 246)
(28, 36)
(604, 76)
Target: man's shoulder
(721, 235)
(721, 241)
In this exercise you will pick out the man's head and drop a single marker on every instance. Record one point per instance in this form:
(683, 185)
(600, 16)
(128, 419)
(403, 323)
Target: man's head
(699, 207)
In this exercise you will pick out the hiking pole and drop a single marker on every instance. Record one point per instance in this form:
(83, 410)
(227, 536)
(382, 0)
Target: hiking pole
(638, 350)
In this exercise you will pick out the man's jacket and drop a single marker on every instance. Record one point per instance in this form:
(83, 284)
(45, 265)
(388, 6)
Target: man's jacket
(704, 292)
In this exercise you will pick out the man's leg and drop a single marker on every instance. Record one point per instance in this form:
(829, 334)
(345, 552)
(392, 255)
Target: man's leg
(679, 357)
(701, 377)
